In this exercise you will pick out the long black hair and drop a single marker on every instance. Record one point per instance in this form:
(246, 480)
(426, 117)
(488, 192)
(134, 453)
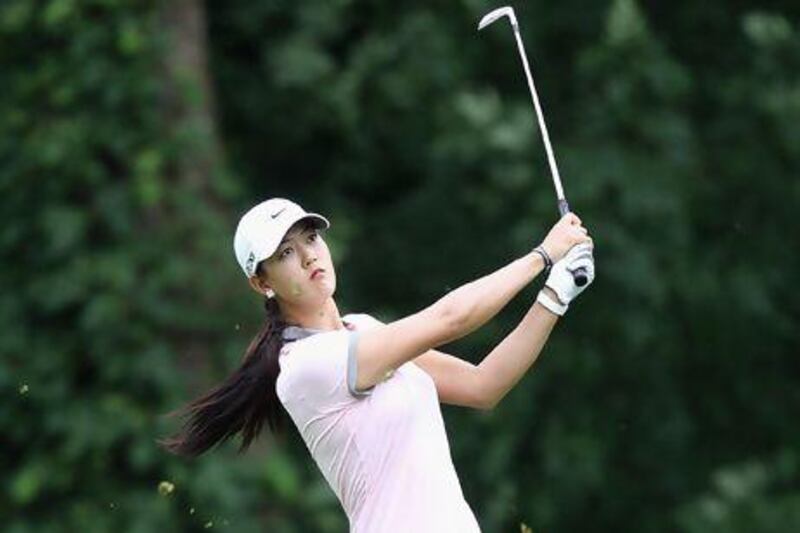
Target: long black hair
(242, 402)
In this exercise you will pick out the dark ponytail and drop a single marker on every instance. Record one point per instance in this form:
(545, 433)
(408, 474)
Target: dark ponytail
(242, 402)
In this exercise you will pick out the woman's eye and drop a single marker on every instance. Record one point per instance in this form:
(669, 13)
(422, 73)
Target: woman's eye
(284, 253)
(313, 236)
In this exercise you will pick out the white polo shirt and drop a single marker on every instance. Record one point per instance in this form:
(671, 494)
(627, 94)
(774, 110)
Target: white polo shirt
(384, 451)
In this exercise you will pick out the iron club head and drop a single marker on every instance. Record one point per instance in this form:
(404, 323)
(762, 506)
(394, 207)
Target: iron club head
(500, 12)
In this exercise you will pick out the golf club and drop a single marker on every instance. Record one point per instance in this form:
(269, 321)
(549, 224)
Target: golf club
(579, 275)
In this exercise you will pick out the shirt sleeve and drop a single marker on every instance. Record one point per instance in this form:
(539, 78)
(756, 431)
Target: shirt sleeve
(321, 370)
(352, 366)
(363, 322)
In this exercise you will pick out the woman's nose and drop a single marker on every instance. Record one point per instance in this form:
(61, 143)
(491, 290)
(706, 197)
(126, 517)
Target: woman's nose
(310, 258)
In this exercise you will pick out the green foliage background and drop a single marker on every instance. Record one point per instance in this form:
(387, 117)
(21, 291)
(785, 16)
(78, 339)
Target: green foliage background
(668, 398)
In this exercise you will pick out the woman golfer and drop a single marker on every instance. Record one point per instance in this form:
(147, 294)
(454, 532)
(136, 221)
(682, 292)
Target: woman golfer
(365, 395)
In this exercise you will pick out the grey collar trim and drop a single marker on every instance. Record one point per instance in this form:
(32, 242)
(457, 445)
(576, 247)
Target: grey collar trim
(295, 333)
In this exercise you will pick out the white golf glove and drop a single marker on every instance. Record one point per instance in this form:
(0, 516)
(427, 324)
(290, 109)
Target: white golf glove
(561, 282)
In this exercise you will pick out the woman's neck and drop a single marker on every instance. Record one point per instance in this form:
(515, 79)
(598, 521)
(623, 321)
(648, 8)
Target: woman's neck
(323, 318)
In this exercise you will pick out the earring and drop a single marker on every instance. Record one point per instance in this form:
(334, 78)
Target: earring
(269, 293)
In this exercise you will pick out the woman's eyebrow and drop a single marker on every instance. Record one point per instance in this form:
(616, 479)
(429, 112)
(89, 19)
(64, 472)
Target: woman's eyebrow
(304, 230)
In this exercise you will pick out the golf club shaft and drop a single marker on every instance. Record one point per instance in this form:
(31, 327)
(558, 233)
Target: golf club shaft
(579, 275)
(551, 159)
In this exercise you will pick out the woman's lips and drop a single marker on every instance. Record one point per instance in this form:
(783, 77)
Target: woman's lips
(317, 272)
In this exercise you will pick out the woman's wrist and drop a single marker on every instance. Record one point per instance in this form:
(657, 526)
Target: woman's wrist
(533, 264)
(546, 260)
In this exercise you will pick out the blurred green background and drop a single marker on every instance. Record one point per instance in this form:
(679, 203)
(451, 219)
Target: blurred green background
(133, 134)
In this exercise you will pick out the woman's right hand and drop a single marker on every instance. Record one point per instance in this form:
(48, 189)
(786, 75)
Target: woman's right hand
(564, 234)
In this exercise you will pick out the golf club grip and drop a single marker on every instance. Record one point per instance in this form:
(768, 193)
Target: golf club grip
(579, 275)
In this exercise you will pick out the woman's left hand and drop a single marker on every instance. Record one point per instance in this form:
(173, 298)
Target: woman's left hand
(561, 280)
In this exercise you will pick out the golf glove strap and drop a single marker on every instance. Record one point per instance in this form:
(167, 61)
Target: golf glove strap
(561, 281)
(550, 304)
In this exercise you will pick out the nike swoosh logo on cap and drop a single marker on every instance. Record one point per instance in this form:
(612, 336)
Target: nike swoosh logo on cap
(275, 215)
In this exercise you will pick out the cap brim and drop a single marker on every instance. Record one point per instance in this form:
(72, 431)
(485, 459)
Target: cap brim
(320, 222)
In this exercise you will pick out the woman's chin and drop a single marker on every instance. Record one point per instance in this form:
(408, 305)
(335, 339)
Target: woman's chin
(328, 293)
(327, 286)
(321, 292)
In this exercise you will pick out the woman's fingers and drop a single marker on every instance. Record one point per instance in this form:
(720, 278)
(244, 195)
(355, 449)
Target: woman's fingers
(579, 234)
(572, 219)
(565, 234)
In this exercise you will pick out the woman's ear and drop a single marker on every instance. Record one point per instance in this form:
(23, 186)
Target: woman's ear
(261, 286)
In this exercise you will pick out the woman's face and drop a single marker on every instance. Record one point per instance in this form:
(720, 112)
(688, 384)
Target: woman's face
(301, 255)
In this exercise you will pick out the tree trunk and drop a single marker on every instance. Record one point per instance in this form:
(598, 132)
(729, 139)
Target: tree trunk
(188, 97)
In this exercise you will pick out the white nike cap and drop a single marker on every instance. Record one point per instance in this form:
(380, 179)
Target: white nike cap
(262, 228)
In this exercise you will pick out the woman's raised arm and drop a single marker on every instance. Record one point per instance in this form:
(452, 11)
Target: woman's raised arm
(459, 312)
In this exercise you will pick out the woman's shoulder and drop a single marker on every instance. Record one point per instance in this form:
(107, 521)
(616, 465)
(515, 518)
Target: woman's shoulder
(362, 320)
(322, 343)
(313, 343)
